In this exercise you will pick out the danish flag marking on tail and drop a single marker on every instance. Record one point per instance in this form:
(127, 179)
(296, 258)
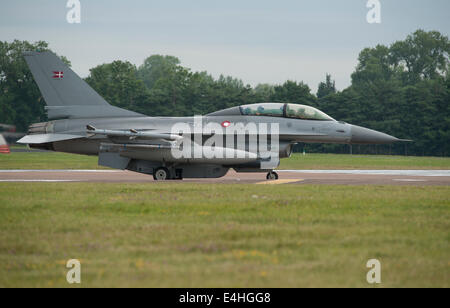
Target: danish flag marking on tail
(58, 75)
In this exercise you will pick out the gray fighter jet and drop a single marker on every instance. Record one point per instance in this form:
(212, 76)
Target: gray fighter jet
(9, 133)
(82, 122)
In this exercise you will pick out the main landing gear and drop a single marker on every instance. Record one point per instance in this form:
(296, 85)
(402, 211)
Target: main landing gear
(163, 174)
(272, 175)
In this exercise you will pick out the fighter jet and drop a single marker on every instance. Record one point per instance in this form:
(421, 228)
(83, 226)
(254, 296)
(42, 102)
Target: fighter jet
(4, 148)
(82, 122)
(9, 133)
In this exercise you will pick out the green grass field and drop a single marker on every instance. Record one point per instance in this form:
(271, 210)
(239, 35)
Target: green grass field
(174, 235)
(333, 161)
(47, 160)
(297, 161)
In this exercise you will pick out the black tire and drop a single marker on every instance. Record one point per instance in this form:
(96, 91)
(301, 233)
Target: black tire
(272, 176)
(161, 174)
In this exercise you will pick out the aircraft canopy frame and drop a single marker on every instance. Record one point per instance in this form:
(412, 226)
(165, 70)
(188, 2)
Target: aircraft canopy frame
(293, 111)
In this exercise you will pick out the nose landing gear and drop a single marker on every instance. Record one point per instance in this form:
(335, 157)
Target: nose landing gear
(272, 175)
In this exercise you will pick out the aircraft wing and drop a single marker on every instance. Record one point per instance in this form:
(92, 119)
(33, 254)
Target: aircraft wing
(46, 138)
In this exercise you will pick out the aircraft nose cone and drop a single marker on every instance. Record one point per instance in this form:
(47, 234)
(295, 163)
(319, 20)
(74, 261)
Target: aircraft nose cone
(362, 135)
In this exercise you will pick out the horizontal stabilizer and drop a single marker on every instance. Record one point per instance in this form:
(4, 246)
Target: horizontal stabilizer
(46, 138)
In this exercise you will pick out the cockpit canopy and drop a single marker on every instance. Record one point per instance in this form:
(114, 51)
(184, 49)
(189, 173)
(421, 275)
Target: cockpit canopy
(294, 111)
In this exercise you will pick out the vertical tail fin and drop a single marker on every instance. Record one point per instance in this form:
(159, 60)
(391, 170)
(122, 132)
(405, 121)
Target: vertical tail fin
(65, 93)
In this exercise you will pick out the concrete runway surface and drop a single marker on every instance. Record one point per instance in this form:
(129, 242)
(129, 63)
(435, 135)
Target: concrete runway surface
(330, 177)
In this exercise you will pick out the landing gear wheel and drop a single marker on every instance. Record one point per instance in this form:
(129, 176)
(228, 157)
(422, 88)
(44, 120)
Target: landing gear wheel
(272, 175)
(161, 174)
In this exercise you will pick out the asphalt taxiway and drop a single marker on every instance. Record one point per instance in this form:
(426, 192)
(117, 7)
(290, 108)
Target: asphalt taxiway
(329, 177)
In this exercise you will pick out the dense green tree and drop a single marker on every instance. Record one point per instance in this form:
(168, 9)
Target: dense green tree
(373, 66)
(21, 102)
(402, 89)
(199, 90)
(167, 93)
(326, 88)
(118, 84)
(295, 93)
(264, 92)
(156, 67)
(424, 55)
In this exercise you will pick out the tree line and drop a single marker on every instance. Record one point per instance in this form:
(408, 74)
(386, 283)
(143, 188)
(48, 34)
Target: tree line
(402, 89)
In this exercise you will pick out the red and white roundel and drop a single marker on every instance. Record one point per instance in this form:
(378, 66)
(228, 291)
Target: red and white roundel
(226, 124)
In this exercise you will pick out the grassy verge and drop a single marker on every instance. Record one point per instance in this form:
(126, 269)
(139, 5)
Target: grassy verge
(48, 160)
(170, 235)
(333, 161)
(53, 160)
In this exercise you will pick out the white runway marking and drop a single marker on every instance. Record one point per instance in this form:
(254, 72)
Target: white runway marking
(377, 172)
(45, 181)
(277, 182)
(60, 170)
(408, 180)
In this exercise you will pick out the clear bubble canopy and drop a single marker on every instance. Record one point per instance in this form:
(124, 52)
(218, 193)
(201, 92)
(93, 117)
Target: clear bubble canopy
(295, 111)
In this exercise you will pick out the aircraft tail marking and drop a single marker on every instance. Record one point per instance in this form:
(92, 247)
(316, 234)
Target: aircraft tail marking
(65, 93)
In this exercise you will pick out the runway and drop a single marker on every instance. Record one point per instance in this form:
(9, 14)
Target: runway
(301, 177)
